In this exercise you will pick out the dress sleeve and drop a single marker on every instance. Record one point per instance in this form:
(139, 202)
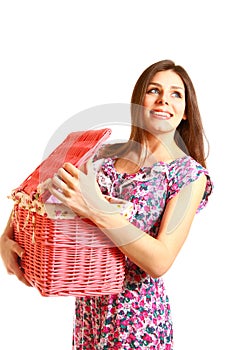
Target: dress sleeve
(183, 172)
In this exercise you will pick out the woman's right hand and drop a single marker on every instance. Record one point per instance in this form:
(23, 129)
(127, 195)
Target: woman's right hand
(11, 254)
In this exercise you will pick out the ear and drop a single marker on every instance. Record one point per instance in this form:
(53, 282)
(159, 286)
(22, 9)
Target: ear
(184, 117)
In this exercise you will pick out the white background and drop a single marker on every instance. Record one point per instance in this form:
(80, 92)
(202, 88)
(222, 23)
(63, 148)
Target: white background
(61, 57)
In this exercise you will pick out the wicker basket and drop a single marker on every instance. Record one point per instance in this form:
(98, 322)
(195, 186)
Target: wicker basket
(65, 255)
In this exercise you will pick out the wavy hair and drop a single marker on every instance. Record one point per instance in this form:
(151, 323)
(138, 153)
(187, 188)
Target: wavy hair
(189, 135)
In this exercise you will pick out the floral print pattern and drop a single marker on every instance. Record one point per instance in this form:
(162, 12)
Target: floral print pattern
(139, 317)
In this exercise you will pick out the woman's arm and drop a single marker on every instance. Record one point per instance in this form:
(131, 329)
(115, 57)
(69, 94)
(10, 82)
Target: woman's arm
(154, 256)
(11, 252)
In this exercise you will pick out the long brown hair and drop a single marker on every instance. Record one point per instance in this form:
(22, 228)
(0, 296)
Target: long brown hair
(189, 135)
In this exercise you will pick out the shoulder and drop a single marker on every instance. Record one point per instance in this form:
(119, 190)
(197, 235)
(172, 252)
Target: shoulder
(184, 171)
(185, 166)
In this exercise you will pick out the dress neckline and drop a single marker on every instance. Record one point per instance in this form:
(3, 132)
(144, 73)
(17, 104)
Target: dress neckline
(143, 168)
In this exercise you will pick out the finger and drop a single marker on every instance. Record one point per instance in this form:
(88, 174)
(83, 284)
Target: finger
(42, 187)
(18, 272)
(89, 168)
(57, 182)
(14, 267)
(56, 192)
(22, 278)
(71, 169)
(91, 179)
(59, 187)
(68, 178)
(92, 194)
(17, 249)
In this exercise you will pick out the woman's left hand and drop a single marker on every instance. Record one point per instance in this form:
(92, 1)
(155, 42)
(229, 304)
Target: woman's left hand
(79, 191)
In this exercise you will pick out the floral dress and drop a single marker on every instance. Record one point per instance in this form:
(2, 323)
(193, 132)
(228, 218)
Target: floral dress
(139, 317)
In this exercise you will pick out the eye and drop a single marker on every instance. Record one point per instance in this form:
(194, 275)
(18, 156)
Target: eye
(177, 94)
(153, 91)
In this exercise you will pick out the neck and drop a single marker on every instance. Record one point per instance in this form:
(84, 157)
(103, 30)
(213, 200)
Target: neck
(163, 147)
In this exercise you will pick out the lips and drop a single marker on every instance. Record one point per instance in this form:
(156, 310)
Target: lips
(160, 114)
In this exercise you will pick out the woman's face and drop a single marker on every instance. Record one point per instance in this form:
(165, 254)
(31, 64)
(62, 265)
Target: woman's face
(164, 102)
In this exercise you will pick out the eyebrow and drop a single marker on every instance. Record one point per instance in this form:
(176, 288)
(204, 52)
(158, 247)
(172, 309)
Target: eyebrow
(172, 87)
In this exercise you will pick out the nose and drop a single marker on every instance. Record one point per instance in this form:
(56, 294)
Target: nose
(162, 99)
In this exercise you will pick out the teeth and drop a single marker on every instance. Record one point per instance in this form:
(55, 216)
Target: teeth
(161, 114)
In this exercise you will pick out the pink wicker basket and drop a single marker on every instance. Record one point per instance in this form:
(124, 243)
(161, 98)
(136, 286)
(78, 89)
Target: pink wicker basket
(65, 256)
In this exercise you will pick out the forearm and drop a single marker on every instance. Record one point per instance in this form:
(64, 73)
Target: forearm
(9, 231)
(10, 251)
(145, 251)
(7, 235)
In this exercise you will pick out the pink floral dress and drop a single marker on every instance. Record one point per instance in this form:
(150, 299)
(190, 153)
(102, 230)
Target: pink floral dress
(139, 317)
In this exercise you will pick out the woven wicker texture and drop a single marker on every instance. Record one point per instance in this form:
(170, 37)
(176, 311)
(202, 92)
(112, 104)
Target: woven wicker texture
(66, 256)
(69, 257)
(76, 149)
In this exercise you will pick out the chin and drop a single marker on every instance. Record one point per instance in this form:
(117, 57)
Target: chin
(161, 127)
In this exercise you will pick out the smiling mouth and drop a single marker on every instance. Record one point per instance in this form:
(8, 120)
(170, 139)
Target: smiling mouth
(160, 115)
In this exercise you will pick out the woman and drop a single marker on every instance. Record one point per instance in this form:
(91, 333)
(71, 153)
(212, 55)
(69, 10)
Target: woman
(162, 171)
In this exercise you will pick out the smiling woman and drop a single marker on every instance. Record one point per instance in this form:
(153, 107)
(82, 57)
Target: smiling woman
(188, 135)
(164, 102)
(161, 170)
